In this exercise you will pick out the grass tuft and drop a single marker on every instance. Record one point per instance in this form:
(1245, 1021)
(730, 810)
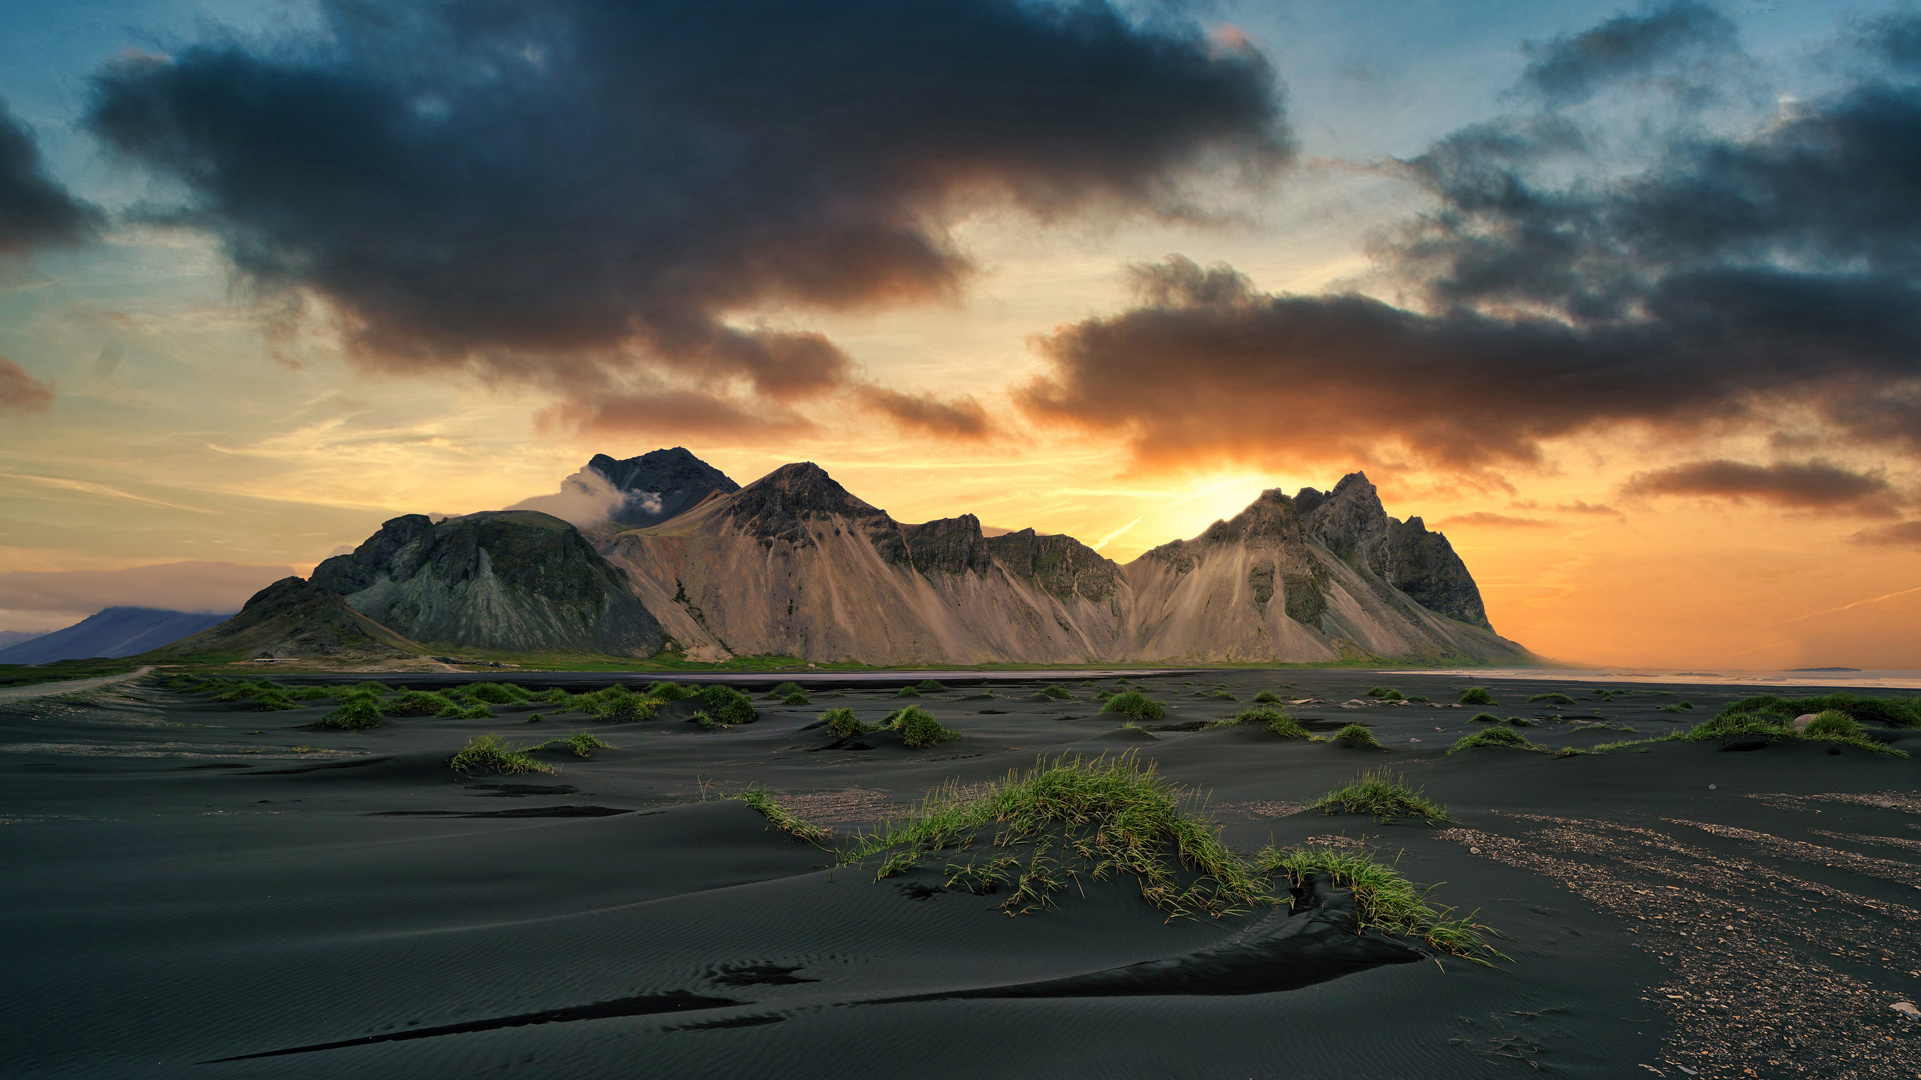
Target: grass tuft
(785, 689)
(728, 705)
(1385, 693)
(1356, 735)
(1055, 693)
(795, 698)
(929, 686)
(918, 728)
(1222, 695)
(843, 724)
(1832, 722)
(356, 712)
(784, 819)
(662, 690)
(419, 703)
(1267, 697)
(1484, 718)
(1273, 720)
(1554, 697)
(582, 742)
(1385, 899)
(1477, 695)
(907, 691)
(1499, 736)
(491, 753)
(1135, 705)
(1382, 795)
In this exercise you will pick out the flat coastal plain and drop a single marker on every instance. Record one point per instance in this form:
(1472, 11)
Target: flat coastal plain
(201, 889)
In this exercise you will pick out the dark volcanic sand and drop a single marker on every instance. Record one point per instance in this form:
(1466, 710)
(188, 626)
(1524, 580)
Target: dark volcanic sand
(187, 881)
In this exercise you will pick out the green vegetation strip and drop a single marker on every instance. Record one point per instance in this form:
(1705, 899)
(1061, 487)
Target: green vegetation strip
(1382, 795)
(784, 819)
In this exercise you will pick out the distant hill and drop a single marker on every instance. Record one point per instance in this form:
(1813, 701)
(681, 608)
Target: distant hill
(10, 638)
(292, 619)
(504, 579)
(114, 631)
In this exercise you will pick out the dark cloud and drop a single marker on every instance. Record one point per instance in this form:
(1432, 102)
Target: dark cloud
(35, 212)
(1572, 68)
(21, 392)
(962, 418)
(1729, 281)
(1897, 534)
(1811, 485)
(500, 185)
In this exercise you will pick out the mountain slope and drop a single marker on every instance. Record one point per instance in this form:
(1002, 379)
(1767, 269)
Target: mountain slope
(509, 579)
(114, 631)
(661, 485)
(293, 619)
(794, 564)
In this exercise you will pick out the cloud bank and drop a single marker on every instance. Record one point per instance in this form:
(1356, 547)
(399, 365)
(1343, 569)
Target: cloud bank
(179, 586)
(588, 498)
(601, 195)
(35, 212)
(1734, 274)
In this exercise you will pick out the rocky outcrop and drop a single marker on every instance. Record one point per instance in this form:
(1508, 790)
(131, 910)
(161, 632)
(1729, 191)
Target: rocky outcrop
(661, 485)
(794, 564)
(512, 579)
(292, 619)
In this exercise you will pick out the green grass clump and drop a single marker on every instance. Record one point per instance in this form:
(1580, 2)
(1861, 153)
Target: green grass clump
(843, 724)
(1679, 706)
(1273, 720)
(1222, 695)
(929, 686)
(1832, 722)
(1115, 814)
(1356, 735)
(784, 819)
(1385, 693)
(493, 693)
(419, 703)
(662, 690)
(491, 753)
(1054, 693)
(1499, 736)
(907, 691)
(785, 689)
(356, 712)
(1384, 899)
(616, 704)
(1267, 697)
(1521, 721)
(728, 705)
(918, 728)
(582, 743)
(274, 699)
(1135, 705)
(1477, 695)
(1383, 796)
(1553, 698)
(795, 698)
(471, 712)
(1484, 718)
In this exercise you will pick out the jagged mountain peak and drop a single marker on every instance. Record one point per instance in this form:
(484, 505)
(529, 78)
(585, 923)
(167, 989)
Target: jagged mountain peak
(661, 484)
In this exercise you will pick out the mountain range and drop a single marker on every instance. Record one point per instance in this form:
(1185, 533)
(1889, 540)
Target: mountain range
(114, 631)
(793, 564)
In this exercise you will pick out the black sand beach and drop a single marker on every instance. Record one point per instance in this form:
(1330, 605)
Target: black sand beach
(201, 889)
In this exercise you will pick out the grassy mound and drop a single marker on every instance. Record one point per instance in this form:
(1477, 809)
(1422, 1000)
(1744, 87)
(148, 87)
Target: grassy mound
(616, 704)
(1135, 706)
(727, 705)
(582, 743)
(1383, 796)
(929, 686)
(794, 699)
(491, 753)
(1836, 726)
(1273, 720)
(1356, 735)
(1886, 712)
(1054, 693)
(1222, 695)
(356, 712)
(1833, 722)
(1267, 697)
(907, 691)
(662, 690)
(918, 728)
(1484, 718)
(1477, 695)
(1385, 693)
(843, 724)
(493, 693)
(1111, 816)
(1554, 697)
(784, 819)
(420, 703)
(1499, 736)
(785, 689)
(1385, 900)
